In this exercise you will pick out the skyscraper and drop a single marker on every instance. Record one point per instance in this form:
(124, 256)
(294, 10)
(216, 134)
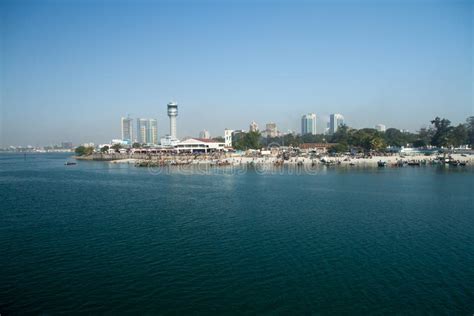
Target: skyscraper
(153, 132)
(335, 120)
(172, 114)
(308, 124)
(253, 127)
(127, 129)
(147, 130)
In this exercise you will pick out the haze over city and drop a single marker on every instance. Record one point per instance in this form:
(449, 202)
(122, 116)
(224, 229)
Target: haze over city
(70, 70)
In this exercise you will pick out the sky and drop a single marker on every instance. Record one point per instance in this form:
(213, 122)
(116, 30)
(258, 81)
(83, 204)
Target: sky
(71, 69)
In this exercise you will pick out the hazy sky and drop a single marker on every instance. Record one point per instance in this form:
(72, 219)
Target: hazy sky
(71, 69)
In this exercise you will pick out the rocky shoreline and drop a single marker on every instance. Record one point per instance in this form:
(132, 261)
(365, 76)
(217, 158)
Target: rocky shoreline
(389, 161)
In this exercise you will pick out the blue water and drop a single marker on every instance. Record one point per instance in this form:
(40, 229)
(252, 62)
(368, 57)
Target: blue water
(102, 238)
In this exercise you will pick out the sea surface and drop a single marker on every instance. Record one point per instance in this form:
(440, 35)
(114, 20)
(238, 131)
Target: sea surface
(99, 238)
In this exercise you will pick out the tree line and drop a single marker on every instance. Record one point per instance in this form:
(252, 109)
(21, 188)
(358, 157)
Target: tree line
(439, 134)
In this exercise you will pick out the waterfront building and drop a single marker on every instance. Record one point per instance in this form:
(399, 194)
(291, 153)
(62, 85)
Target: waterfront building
(127, 129)
(169, 141)
(271, 130)
(172, 114)
(335, 120)
(253, 127)
(205, 134)
(228, 137)
(380, 127)
(199, 145)
(147, 131)
(308, 124)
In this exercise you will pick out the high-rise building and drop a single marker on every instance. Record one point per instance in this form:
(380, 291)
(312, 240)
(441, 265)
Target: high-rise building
(147, 131)
(253, 127)
(153, 132)
(228, 137)
(271, 130)
(335, 120)
(308, 124)
(380, 127)
(127, 129)
(172, 114)
(205, 134)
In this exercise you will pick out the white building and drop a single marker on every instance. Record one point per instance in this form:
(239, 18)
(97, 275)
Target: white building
(380, 127)
(120, 142)
(271, 130)
(228, 137)
(172, 114)
(253, 127)
(196, 145)
(205, 134)
(308, 124)
(169, 141)
(335, 120)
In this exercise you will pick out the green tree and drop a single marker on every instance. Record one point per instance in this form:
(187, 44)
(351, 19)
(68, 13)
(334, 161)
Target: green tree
(459, 135)
(342, 134)
(339, 148)
(309, 138)
(291, 140)
(423, 137)
(368, 139)
(470, 130)
(84, 151)
(377, 143)
(442, 130)
(393, 137)
(116, 147)
(250, 140)
(136, 145)
(104, 149)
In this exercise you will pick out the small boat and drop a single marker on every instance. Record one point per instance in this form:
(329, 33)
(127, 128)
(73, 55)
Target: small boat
(381, 163)
(414, 163)
(454, 163)
(70, 163)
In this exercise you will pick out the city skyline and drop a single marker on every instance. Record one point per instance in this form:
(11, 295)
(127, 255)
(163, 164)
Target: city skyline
(397, 64)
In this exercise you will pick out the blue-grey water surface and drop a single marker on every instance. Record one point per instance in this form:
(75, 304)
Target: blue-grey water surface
(107, 238)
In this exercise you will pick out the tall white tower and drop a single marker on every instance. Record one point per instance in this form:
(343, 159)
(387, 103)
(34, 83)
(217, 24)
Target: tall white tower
(173, 113)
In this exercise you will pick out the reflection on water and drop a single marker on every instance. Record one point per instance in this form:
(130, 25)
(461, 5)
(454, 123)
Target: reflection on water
(100, 238)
